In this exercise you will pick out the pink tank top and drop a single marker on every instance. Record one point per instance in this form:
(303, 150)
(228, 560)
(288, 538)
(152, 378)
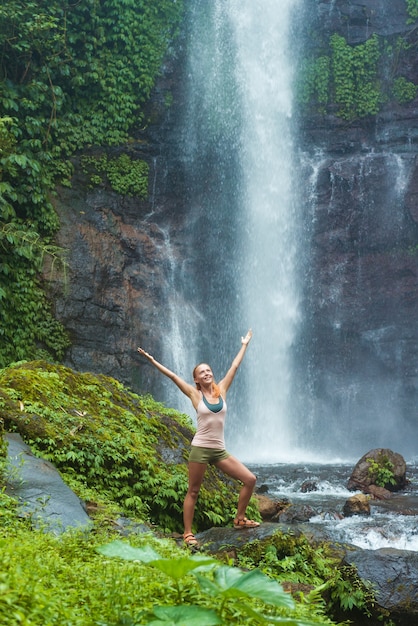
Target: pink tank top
(210, 427)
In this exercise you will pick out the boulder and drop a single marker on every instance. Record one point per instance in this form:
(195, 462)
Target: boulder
(363, 476)
(267, 507)
(357, 505)
(42, 494)
(394, 575)
(296, 513)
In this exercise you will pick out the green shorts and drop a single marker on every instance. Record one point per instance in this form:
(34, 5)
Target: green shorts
(207, 455)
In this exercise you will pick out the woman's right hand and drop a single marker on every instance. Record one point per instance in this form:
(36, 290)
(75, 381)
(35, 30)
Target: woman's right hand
(145, 354)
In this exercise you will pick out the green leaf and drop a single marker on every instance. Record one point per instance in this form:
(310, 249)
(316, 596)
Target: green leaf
(178, 568)
(231, 582)
(175, 568)
(190, 615)
(123, 550)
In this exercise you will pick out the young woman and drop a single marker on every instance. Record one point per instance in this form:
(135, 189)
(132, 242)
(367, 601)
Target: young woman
(208, 445)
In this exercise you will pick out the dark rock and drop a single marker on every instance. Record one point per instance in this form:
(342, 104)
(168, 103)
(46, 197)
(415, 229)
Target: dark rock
(380, 493)
(295, 513)
(262, 489)
(362, 477)
(40, 490)
(394, 575)
(308, 485)
(357, 505)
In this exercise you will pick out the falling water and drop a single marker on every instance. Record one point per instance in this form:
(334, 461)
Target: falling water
(242, 225)
(268, 277)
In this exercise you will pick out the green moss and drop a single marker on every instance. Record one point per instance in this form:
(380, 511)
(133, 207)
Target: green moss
(126, 176)
(103, 437)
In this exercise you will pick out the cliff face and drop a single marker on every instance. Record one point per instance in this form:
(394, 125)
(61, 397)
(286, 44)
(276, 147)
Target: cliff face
(359, 189)
(120, 251)
(358, 186)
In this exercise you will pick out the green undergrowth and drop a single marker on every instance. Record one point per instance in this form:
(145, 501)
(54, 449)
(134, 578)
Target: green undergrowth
(111, 446)
(319, 568)
(97, 579)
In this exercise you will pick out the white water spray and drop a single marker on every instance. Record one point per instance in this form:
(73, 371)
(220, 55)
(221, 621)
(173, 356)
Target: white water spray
(238, 147)
(268, 276)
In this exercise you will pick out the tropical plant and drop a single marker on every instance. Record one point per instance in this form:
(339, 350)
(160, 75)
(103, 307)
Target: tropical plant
(380, 470)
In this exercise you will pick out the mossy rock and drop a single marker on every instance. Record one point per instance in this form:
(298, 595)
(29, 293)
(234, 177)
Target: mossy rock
(129, 448)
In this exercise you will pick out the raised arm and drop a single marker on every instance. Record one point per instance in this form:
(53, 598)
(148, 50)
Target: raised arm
(189, 390)
(225, 383)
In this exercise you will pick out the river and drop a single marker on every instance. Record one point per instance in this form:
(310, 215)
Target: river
(392, 523)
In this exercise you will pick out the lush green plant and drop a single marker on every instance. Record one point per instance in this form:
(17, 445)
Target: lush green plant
(404, 90)
(123, 174)
(71, 77)
(355, 81)
(412, 7)
(380, 471)
(48, 580)
(294, 559)
(225, 592)
(27, 325)
(314, 86)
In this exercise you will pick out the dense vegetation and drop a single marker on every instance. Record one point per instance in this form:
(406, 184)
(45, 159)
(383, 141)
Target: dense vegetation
(71, 76)
(355, 81)
(111, 446)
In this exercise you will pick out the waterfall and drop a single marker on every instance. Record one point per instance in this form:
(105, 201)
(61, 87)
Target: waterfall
(242, 227)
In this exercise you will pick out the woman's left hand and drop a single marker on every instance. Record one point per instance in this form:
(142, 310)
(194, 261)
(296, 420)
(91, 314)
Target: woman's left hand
(246, 340)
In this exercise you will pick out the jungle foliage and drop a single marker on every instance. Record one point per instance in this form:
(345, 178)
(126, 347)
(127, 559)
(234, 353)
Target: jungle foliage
(355, 81)
(71, 76)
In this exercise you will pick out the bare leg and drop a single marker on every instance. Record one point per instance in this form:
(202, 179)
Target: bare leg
(196, 473)
(237, 470)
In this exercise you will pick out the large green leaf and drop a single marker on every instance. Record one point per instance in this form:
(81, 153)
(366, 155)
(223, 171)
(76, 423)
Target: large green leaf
(175, 568)
(231, 582)
(184, 615)
(124, 551)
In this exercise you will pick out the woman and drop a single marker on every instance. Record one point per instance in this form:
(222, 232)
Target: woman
(208, 446)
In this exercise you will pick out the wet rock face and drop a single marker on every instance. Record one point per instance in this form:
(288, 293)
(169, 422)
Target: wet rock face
(356, 20)
(120, 252)
(359, 185)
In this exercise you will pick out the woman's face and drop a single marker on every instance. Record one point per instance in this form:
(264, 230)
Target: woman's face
(203, 374)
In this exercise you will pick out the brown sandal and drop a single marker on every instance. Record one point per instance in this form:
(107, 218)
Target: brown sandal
(190, 540)
(239, 524)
